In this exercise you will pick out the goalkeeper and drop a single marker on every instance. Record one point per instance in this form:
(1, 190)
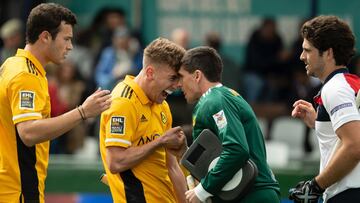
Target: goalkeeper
(327, 47)
(230, 117)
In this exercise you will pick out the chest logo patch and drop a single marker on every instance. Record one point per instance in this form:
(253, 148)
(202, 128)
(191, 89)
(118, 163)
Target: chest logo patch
(220, 119)
(163, 117)
(117, 125)
(27, 100)
(143, 119)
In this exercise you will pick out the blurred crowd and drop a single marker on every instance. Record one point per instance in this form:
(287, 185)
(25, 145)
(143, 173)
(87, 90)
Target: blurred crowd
(271, 77)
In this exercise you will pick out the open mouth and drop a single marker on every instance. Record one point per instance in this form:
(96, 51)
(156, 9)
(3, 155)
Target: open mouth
(165, 93)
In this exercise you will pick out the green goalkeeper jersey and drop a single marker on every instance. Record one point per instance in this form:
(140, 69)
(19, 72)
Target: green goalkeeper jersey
(230, 117)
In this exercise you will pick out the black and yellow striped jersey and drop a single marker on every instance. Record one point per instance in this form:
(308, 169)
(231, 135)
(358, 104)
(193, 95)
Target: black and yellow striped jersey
(133, 120)
(23, 96)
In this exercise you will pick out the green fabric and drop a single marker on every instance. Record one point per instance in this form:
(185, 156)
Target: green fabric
(239, 133)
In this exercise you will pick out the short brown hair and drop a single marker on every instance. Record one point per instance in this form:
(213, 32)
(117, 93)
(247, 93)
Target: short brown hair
(325, 32)
(205, 59)
(47, 17)
(163, 51)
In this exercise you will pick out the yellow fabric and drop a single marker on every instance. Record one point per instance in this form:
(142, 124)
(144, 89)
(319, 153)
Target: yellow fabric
(23, 96)
(133, 121)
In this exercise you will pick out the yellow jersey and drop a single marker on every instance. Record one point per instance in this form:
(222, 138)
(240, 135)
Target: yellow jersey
(23, 96)
(133, 120)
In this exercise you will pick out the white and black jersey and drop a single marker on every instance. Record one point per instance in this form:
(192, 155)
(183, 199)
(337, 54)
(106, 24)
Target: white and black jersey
(336, 105)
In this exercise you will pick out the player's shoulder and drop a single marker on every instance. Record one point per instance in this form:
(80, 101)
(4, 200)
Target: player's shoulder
(336, 85)
(123, 91)
(165, 104)
(212, 97)
(19, 67)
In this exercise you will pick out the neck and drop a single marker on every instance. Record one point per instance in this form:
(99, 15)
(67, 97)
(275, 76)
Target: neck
(37, 51)
(328, 71)
(140, 79)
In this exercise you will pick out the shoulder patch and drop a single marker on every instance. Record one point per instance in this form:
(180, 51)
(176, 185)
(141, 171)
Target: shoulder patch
(27, 100)
(220, 119)
(117, 125)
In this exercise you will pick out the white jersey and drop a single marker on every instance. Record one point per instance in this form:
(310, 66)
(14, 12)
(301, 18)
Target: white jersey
(336, 106)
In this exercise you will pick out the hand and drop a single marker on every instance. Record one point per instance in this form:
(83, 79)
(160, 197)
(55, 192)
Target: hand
(191, 197)
(96, 103)
(306, 192)
(179, 151)
(305, 111)
(174, 139)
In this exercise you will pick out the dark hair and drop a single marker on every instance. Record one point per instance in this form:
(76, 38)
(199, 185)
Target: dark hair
(164, 51)
(47, 17)
(325, 32)
(205, 59)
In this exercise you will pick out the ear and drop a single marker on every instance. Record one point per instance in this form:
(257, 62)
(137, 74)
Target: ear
(330, 53)
(149, 72)
(198, 75)
(45, 37)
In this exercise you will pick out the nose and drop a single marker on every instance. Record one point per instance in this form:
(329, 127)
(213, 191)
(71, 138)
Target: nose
(70, 46)
(302, 56)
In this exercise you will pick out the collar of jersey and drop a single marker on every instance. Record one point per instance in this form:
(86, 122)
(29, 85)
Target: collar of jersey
(129, 80)
(340, 70)
(209, 90)
(27, 54)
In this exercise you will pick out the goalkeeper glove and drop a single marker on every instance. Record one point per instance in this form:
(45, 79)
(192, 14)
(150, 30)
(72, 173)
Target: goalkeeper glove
(306, 192)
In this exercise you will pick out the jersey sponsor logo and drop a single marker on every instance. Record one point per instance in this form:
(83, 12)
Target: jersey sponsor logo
(220, 119)
(27, 100)
(143, 119)
(341, 106)
(163, 117)
(146, 139)
(117, 125)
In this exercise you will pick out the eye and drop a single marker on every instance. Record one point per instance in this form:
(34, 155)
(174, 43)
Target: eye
(173, 78)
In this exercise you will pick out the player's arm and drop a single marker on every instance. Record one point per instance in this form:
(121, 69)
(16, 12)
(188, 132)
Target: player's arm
(36, 131)
(235, 152)
(345, 158)
(120, 159)
(177, 177)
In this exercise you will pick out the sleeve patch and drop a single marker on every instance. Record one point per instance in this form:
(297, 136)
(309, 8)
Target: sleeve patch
(117, 125)
(220, 119)
(27, 100)
(341, 106)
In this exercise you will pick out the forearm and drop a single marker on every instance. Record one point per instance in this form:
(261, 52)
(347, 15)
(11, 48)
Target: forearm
(37, 131)
(179, 183)
(343, 162)
(121, 159)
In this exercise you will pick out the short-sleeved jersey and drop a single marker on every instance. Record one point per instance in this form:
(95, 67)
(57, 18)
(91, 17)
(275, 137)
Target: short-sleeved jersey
(336, 106)
(133, 120)
(230, 117)
(23, 96)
